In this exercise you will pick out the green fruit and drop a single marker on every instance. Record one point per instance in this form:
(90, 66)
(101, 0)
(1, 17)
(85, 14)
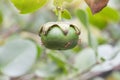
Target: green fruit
(59, 35)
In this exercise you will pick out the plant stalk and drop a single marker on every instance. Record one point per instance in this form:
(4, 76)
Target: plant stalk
(59, 9)
(90, 41)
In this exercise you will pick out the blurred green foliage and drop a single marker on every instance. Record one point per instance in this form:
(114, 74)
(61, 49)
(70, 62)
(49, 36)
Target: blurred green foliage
(101, 19)
(22, 54)
(27, 6)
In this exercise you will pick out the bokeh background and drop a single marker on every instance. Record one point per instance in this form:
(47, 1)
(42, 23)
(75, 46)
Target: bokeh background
(23, 57)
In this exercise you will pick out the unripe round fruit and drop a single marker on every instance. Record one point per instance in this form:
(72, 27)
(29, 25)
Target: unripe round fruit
(59, 35)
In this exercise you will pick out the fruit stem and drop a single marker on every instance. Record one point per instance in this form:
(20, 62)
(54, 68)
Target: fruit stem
(59, 9)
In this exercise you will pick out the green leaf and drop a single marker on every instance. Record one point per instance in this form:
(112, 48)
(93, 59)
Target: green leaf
(101, 40)
(39, 50)
(66, 14)
(58, 2)
(17, 57)
(101, 19)
(27, 6)
(110, 14)
(97, 20)
(85, 59)
(47, 70)
(82, 16)
(102, 59)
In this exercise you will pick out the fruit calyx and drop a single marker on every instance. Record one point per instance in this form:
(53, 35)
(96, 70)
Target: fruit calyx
(64, 26)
